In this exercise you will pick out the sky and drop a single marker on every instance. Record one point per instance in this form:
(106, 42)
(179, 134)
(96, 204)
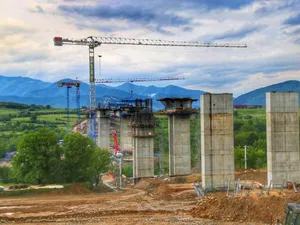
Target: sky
(269, 28)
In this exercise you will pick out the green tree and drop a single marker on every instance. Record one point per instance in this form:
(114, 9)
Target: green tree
(37, 156)
(33, 118)
(82, 159)
(102, 160)
(127, 170)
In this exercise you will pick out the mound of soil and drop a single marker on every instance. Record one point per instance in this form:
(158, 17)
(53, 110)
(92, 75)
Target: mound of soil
(169, 191)
(147, 184)
(254, 175)
(184, 195)
(77, 189)
(246, 209)
(195, 177)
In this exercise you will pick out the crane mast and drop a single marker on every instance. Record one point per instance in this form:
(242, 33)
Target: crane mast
(93, 42)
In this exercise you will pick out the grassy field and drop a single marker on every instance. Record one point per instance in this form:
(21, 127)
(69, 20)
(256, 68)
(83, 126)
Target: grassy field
(255, 113)
(6, 112)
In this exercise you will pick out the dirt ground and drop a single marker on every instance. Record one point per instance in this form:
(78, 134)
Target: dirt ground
(151, 201)
(130, 207)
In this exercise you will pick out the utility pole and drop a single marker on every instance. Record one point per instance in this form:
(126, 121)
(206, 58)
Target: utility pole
(245, 151)
(161, 153)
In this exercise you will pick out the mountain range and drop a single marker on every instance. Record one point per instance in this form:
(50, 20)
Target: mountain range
(32, 91)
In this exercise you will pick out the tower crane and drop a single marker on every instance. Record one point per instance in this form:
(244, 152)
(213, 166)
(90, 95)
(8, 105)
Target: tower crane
(93, 42)
(69, 85)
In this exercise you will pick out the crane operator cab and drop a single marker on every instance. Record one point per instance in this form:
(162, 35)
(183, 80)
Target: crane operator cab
(292, 214)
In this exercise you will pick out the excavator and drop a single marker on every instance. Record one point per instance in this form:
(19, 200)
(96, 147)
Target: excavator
(292, 212)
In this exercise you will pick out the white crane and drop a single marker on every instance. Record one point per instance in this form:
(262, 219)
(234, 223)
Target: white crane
(93, 42)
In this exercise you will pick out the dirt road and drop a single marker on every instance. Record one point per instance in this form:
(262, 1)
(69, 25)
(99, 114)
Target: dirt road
(129, 207)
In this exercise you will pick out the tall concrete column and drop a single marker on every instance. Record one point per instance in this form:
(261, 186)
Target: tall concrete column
(142, 131)
(283, 137)
(217, 148)
(143, 151)
(125, 134)
(103, 121)
(179, 111)
(179, 145)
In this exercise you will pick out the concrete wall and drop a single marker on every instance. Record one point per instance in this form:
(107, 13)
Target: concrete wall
(125, 134)
(217, 148)
(103, 121)
(143, 151)
(179, 145)
(283, 137)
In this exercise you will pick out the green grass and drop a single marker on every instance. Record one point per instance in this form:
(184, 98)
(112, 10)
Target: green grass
(7, 111)
(257, 113)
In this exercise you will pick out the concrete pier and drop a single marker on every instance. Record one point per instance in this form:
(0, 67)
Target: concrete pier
(217, 148)
(142, 131)
(103, 121)
(283, 137)
(125, 134)
(179, 111)
(143, 151)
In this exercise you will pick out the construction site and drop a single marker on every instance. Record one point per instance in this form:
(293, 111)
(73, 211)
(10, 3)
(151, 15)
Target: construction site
(215, 194)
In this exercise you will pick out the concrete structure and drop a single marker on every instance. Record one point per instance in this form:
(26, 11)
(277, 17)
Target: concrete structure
(125, 134)
(103, 128)
(283, 137)
(142, 131)
(217, 148)
(143, 151)
(179, 111)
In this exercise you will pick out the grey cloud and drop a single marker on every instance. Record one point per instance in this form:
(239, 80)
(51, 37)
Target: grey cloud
(145, 16)
(37, 9)
(239, 33)
(187, 29)
(293, 20)
(265, 10)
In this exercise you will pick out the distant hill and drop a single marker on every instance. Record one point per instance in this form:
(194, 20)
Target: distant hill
(32, 91)
(258, 96)
(20, 86)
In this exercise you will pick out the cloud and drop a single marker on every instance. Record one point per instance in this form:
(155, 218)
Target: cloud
(36, 9)
(268, 7)
(293, 20)
(145, 16)
(12, 27)
(187, 29)
(220, 4)
(239, 32)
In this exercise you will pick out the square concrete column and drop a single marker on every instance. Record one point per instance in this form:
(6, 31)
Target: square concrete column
(283, 137)
(179, 145)
(179, 111)
(217, 148)
(125, 134)
(143, 151)
(103, 120)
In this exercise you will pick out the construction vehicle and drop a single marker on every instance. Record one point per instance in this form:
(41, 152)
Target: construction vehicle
(292, 212)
